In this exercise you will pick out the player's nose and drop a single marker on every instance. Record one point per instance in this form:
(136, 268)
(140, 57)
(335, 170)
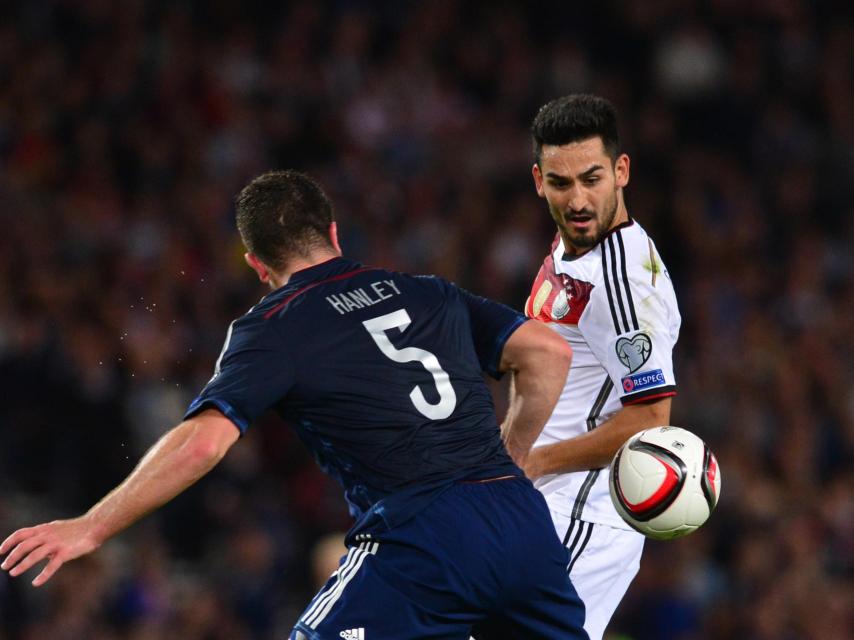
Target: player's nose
(577, 200)
(578, 205)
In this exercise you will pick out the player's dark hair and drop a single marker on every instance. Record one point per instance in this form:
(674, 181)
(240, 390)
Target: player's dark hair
(283, 214)
(574, 118)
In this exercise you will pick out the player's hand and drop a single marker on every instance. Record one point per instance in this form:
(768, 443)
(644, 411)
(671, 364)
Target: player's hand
(57, 542)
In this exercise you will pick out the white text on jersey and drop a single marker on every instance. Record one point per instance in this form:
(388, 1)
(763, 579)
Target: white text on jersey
(363, 296)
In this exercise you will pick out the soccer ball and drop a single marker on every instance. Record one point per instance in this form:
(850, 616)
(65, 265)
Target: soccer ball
(665, 482)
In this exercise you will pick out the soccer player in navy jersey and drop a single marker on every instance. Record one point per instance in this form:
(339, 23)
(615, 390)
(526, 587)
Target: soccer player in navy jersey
(380, 373)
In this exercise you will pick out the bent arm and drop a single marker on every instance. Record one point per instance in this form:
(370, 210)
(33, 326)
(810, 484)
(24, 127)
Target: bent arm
(596, 448)
(539, 360)
(176, 461)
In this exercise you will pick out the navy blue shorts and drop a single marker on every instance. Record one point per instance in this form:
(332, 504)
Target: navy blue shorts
(482, 555)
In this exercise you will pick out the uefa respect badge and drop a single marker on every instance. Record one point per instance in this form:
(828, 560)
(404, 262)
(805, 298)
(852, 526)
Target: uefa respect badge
(643, 380)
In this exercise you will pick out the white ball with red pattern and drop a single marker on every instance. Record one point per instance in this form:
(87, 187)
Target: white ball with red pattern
(665, 482)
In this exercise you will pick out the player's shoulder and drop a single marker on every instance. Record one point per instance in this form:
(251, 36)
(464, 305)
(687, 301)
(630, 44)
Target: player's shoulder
(253, 326)
(418, 285)
(629, 252)
(632, 234)
(429, 285)
(628, 268)
(635, 239)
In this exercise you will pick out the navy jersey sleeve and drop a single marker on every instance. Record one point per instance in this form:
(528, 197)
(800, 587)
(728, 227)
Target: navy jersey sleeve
(252, 374)
(492, 323)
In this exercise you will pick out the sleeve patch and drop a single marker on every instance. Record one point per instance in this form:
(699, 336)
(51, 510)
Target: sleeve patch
(635, 352)
(643, 380)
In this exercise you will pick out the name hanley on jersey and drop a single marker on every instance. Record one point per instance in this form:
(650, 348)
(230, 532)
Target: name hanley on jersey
(362, 297)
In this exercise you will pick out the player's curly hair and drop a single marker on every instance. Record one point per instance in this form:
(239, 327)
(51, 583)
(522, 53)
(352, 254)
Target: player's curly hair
(573, 118)
(282, 215)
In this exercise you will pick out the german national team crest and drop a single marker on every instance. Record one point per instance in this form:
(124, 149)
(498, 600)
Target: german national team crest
(557, 297)
(633, 353)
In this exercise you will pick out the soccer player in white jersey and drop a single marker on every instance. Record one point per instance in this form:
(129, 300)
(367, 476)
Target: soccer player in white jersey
(604, 288)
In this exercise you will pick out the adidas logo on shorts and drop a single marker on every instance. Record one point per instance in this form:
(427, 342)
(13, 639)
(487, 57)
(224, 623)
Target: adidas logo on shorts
(353, 634)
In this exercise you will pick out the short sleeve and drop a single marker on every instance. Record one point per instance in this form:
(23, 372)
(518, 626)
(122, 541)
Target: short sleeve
(252, 374)
(492, 324)
(632, 327)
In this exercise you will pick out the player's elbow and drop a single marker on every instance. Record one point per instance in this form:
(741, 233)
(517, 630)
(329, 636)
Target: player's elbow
(206, 442)
(551, 348)
(203, 452)
(558, 353)
(559, 349)
(535, 347)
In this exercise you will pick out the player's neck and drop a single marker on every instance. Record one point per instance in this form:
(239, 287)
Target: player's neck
(281, 278)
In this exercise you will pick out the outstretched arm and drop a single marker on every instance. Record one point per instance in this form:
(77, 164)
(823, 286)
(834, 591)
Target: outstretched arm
(594, 449)
(177, 460)
(539, 360)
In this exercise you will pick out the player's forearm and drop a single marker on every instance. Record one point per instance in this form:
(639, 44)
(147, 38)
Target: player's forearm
(174, 463)
(535, 390)
(596, 448)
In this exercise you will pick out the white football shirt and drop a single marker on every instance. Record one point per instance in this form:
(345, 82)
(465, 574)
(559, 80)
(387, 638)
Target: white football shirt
(616, 307)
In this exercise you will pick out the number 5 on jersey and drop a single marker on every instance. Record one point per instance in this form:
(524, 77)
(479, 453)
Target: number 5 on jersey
(400, 319)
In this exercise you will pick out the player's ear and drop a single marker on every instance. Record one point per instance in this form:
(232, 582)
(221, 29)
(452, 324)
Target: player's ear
(538, 180)
(621, 170)
(257, 266)
(333, 236)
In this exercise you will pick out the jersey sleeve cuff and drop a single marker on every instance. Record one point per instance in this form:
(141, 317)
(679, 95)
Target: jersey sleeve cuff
(649, 394)
(495, 361)
(200, 404)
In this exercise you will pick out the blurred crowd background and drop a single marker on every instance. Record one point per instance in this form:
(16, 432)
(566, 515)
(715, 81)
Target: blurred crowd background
(127, 127)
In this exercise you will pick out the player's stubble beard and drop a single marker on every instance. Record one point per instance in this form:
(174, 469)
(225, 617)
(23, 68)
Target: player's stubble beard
(601, 225)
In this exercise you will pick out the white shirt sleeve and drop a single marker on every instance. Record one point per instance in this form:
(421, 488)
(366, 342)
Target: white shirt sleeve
(632, 323)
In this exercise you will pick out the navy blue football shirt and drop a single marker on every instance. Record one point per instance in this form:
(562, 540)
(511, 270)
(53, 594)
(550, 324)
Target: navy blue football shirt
(380, 373)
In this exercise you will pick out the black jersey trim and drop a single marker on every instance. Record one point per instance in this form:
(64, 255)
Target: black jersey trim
(582, 547)
(584, 492)
(620, 227)
(615, 276)
(650, 394)
(569, 529)
(618, 290)
(595, 411)
(575, 540)
(599, 403)
(608, 291)
(629, 301)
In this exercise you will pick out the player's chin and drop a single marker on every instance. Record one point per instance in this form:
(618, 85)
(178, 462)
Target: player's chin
(584, 239)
